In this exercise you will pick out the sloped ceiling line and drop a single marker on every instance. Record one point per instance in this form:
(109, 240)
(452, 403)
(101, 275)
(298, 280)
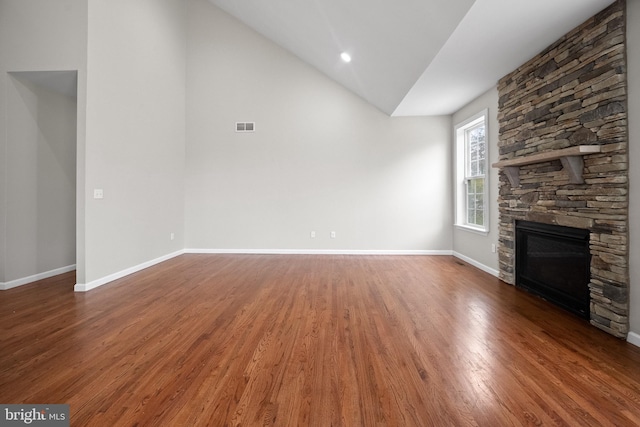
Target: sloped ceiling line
(414, 57)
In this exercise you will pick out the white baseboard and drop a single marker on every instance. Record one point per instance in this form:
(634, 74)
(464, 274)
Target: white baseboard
(315, 252)
(84, 287)
(40, 276)
(476, 264)
(633, 338)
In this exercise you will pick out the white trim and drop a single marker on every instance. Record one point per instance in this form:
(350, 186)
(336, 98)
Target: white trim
(475, 118)
(40, 276)
(476, 264)
(316, 252)
(84, 287)
(482, 231)
(633, 338)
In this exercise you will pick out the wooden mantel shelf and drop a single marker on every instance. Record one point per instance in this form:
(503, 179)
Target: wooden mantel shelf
(571, 158)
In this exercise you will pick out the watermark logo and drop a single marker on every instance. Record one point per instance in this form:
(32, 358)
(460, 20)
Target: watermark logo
(34, 415)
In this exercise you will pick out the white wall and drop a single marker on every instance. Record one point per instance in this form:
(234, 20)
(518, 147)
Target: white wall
(41, 179)
(321, 158)
(472, 246)
(135, 131)
(43, 34)
(633, 78)
(36, 35)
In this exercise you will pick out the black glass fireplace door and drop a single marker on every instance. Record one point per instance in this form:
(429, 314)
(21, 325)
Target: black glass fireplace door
(554, 262)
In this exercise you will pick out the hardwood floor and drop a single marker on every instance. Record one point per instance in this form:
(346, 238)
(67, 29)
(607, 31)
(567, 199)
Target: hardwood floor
(311, 341)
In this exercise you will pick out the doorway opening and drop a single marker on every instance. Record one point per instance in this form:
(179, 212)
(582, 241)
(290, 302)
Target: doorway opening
(41, 165)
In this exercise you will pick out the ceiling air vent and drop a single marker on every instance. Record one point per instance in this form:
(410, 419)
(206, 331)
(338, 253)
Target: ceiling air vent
(245, 126)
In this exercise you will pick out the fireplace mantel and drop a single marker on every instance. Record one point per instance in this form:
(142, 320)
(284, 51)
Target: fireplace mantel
(571, 159)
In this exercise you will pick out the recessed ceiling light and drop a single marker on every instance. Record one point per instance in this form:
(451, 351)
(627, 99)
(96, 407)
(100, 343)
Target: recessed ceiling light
(345, 57)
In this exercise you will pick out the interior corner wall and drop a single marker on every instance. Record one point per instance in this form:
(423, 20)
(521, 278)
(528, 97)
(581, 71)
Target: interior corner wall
(633, 84)
(474, 246)
(135, 132)
(36, 35)
(321, 159)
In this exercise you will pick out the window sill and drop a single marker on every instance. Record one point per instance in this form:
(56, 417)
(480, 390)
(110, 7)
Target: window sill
(475, 230)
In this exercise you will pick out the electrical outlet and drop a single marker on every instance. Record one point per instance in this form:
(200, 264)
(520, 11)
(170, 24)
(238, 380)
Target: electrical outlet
(313, 234)
(333, 234)
(493, 248)
(172, 236)
(98, 193)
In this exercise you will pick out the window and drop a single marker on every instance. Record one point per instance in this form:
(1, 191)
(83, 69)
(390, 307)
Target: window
(472, 174)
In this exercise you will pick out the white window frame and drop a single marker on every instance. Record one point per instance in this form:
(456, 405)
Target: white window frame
(461, 176)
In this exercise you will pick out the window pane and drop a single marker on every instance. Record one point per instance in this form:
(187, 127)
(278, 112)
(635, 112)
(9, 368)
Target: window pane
(471, 187)
(476, 151)
(473, 153)
(475, 201)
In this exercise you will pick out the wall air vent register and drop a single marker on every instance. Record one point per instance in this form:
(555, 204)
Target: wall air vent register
(245, 126)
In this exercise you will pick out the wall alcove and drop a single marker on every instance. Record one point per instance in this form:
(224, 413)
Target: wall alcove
(40, 235)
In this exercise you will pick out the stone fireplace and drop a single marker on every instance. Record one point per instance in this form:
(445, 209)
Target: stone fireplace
(563, 155)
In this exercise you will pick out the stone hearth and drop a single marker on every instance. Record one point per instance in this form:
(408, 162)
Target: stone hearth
(573, 94)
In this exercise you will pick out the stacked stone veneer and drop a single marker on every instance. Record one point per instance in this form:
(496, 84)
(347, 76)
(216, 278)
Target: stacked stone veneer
(573, 93)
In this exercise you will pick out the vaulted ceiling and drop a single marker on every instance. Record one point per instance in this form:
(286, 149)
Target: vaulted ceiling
(414, 57)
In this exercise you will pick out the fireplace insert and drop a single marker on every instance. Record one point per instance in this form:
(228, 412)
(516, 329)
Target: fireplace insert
(553, 262)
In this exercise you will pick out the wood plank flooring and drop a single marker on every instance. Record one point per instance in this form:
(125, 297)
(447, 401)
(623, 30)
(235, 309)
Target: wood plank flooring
(252, 340)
